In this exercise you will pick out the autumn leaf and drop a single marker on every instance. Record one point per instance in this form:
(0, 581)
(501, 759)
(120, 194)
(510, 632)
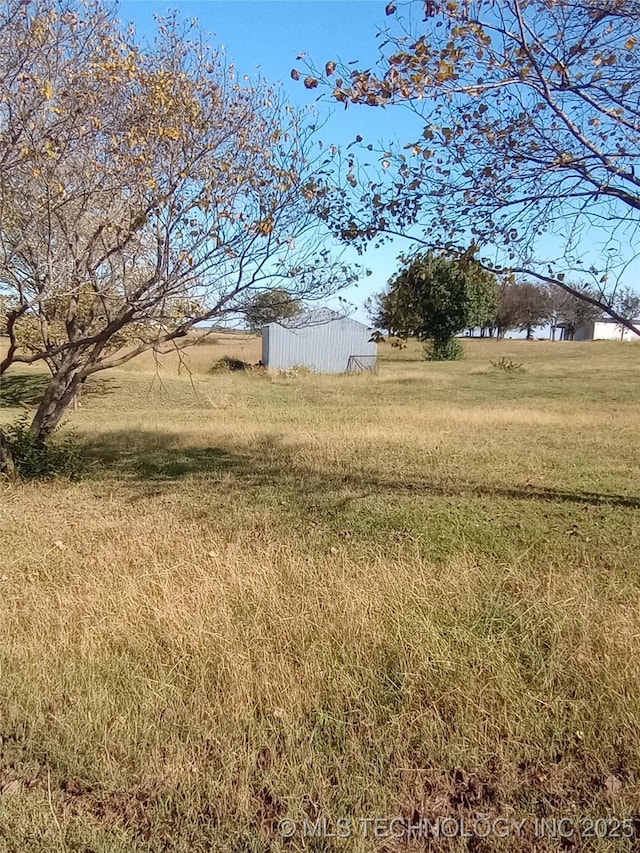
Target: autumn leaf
(390, 9)
(265, 227)
(330, 68)
(310, 82)
(295, 74)
(613, 786)
(48, 90)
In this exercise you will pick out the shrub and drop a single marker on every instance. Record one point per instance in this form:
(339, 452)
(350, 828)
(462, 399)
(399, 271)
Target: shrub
(507, 365)
(36, 459)
(227, 363)
(447, 350)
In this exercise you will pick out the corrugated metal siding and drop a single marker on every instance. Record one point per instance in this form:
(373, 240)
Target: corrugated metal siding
(323, 348)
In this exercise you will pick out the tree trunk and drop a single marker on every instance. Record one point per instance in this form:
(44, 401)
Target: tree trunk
(59, 393)
(7, 465)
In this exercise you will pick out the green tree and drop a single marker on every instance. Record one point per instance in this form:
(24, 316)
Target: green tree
(270, 306)
(388, 310)
(434, 298)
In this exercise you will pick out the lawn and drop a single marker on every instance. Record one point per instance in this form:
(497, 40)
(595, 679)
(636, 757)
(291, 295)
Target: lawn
(411, 594)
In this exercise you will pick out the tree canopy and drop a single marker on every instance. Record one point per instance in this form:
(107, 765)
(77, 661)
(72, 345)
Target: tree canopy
(569, 312)
(433, 298)
(526, 305)
(270, 306)
(530, 115)
(142, 191)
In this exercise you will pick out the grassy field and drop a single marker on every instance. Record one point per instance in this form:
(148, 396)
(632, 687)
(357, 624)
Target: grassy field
(409, 594)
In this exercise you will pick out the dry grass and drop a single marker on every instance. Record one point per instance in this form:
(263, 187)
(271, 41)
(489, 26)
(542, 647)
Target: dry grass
(409, 594)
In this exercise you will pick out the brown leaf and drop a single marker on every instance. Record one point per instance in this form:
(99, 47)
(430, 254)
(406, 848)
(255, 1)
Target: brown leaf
(613, 786)
(295, 74)
(310, 82)
(330, 68)
(390, 9)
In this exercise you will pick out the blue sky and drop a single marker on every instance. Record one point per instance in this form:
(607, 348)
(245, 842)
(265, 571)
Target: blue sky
(265, 36)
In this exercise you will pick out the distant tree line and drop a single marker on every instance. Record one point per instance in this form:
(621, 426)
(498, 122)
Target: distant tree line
(434, 298)
(525, 306)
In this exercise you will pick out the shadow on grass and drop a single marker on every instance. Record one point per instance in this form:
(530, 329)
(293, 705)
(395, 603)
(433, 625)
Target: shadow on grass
(22, 389)
(160, 457)
(152, 456)
(26, 389)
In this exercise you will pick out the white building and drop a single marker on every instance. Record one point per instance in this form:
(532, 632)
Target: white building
(606, 330)
(321, 342)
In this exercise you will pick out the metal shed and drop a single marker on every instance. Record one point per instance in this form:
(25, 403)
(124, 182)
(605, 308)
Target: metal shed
(324, 344)
(605, 330)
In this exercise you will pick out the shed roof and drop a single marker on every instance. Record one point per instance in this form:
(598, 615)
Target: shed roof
(316, 317)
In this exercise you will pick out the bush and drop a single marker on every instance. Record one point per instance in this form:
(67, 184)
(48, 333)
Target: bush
(449, 350)
(227, 363)
(36, 459)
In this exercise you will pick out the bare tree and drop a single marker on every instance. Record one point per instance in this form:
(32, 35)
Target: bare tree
(530, 125)
(141, 192)
(532, 306)
(568, 312)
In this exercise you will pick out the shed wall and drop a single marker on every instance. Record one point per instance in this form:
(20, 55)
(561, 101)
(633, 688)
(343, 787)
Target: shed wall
(323, 348)
(604, 332)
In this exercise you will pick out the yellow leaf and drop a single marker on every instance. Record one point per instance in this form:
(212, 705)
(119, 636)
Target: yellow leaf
(48, 90)
(631, 43)
(265, 227)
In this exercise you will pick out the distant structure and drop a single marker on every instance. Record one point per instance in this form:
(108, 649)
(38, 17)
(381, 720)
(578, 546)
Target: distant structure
(321, 341)
(606, 330)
